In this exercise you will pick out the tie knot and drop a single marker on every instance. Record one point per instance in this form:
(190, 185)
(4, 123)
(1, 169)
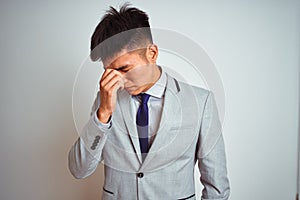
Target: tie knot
(144, 97)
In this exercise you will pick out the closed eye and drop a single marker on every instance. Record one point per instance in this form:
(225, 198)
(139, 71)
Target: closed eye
(123, 68)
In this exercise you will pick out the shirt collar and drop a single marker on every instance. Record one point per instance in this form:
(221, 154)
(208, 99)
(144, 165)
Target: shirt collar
(158, 89)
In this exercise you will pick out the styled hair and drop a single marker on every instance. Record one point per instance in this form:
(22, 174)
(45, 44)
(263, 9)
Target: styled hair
(126, 29)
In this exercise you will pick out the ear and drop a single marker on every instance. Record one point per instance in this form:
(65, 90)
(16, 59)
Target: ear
(152, 53)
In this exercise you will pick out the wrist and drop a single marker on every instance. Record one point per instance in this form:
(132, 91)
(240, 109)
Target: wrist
(103, 116)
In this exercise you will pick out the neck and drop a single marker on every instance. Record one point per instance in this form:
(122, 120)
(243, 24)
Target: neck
(155, 75)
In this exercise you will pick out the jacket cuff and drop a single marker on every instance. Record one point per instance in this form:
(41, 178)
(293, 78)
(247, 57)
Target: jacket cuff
(101, 126)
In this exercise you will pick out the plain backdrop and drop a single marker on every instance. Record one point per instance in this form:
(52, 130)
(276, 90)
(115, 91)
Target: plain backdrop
(254, 45)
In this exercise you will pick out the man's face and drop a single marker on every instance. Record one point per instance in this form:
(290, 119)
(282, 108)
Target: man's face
(136, 70)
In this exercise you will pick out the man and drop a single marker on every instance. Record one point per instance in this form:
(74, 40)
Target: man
(148, 128)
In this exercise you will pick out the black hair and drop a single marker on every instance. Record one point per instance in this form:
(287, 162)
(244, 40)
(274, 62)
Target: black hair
(129, 20)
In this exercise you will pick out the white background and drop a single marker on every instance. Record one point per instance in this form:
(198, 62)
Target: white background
(254, 44)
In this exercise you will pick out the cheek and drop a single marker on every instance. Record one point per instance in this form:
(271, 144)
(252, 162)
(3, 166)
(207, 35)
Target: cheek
(138, 75)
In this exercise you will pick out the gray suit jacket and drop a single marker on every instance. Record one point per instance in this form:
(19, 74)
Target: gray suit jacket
(189, 130)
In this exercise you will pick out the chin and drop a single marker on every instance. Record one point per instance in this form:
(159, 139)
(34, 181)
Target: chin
(133, 92)
(130, 91)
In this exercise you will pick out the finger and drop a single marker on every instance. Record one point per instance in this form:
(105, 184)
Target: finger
(105, 79)
(108, 78)
(112, 88)
(106, 72)
(110, 70)
(116, 86)
(112, 81)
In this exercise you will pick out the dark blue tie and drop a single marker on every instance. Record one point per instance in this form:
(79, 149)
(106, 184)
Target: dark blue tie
(142, 121)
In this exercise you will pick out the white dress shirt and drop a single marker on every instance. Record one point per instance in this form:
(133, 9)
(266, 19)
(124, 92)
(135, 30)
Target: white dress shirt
(155, 105)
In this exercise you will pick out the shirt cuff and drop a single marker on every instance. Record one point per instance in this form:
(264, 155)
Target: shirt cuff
(102, 126)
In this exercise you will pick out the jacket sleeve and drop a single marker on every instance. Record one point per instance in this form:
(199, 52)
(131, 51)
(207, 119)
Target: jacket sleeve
(211, 155)
(86, 153)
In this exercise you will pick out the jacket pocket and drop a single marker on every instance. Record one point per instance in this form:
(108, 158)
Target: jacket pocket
(189, 197)
(182, 127)
(107, 195)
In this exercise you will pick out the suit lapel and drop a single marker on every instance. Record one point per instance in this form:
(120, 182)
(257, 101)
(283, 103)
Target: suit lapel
(125, 101)
(171, 115)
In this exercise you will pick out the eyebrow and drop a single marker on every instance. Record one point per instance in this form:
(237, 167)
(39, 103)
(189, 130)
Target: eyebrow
(120, 68)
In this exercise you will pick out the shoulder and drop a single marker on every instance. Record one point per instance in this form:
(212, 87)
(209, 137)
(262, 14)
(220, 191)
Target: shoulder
(186, 89)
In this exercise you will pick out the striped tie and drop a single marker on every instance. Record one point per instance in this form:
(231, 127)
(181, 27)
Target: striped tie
(142, 121)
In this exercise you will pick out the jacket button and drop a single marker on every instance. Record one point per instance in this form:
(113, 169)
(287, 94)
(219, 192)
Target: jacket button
(97, 137)
(140, 175)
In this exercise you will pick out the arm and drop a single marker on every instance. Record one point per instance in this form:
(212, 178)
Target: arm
(86, 153)
(211, 155)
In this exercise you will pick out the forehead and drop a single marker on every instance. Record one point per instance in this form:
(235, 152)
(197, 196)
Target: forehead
(122, 58)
